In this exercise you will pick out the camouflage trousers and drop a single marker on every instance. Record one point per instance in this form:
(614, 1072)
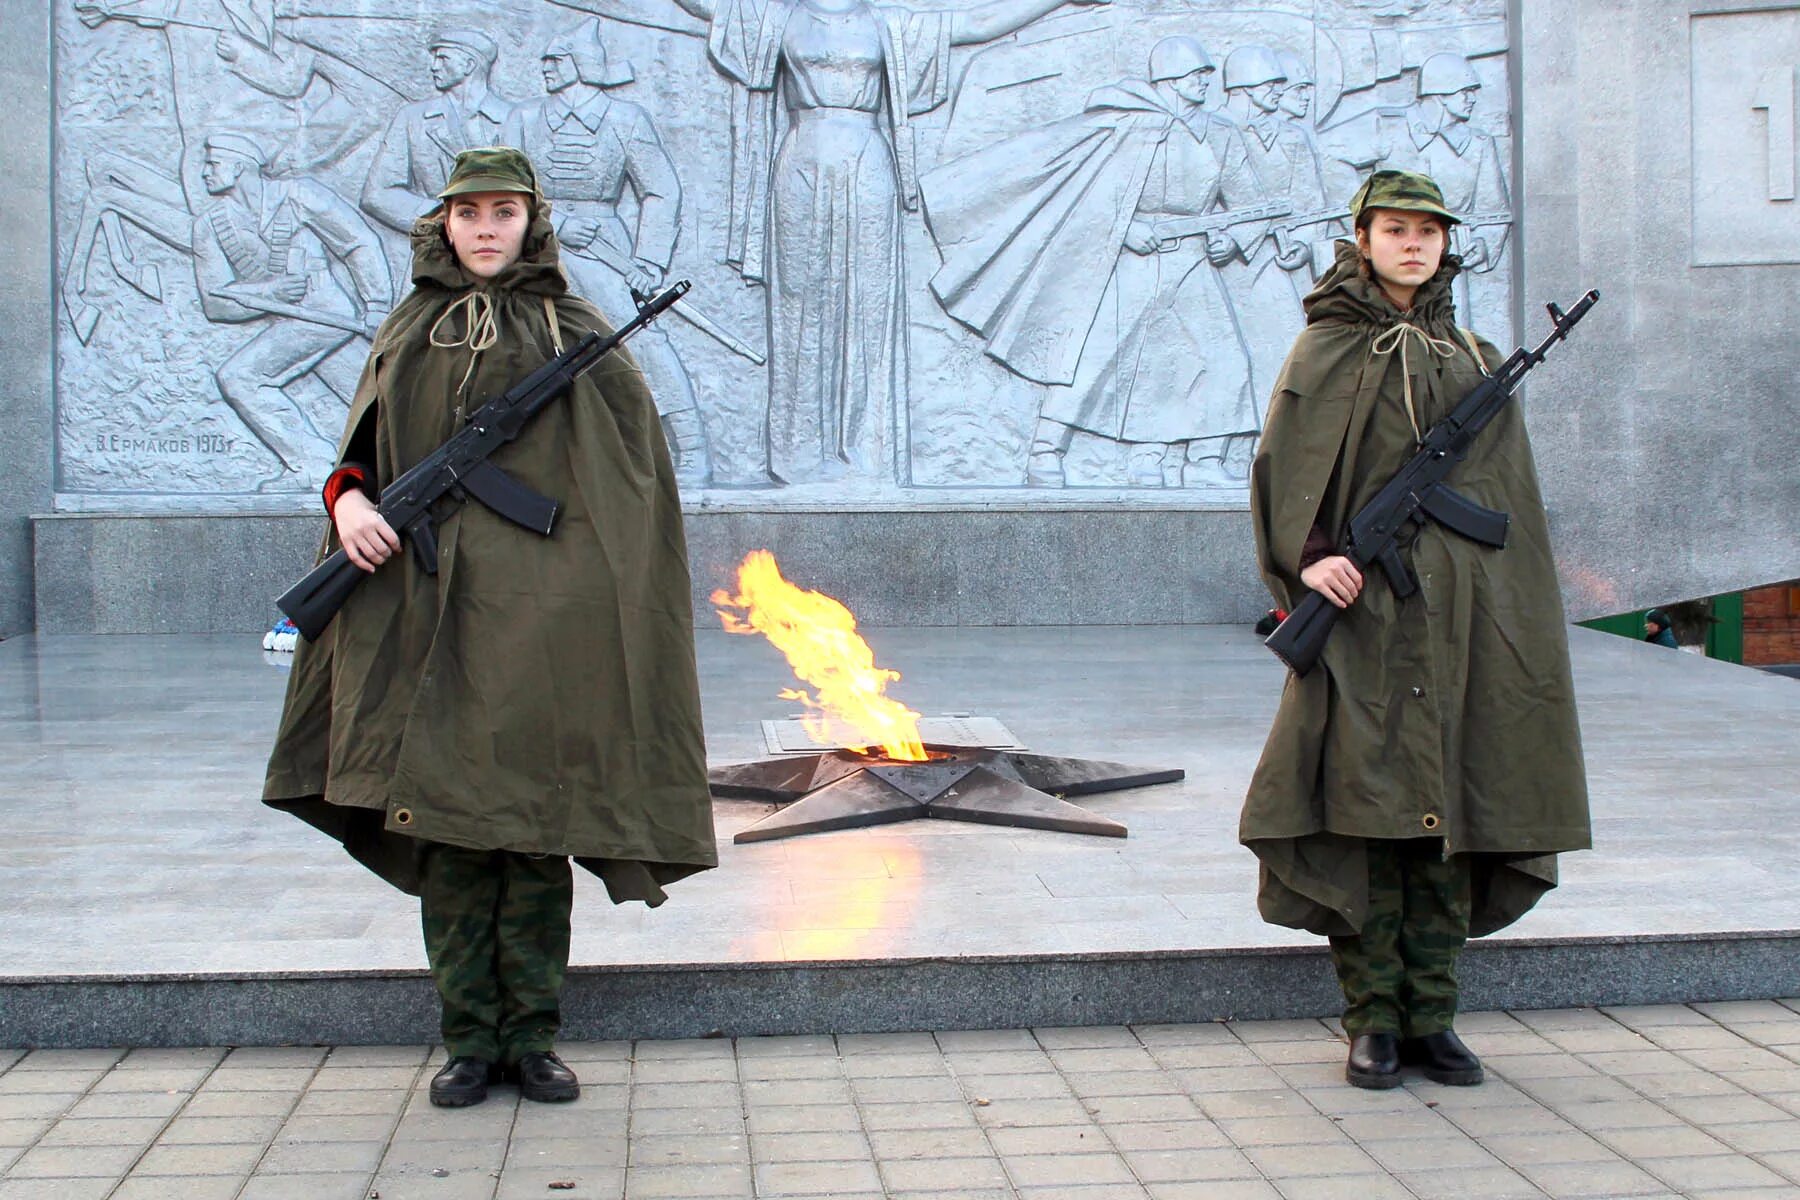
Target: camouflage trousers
(1399, 973)
(497, 936)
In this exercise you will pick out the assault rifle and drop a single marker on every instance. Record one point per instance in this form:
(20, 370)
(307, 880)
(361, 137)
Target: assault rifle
(460, 468)
(1419, 491)
(1170, 230)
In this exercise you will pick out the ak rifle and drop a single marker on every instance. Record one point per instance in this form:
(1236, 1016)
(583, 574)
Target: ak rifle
(1419, 492)
(461, 468)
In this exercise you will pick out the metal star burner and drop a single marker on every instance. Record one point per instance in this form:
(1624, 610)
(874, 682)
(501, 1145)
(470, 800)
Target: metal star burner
(845, 789)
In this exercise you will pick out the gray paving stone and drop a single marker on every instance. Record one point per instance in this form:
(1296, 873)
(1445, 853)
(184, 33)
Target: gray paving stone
(721, 1095)
(942, 1174)
(1085, 1037)
(1050, 1111)
(322, 1158)
(104, 1131)
(230, 1078)
(37, 1105)
(807, 1046)
(1706, 1111)
(67, 1162)
(1363, 1187)
(1050, 1139)
(158, 1079)
(1282, 1131)
(23, 1131)
(1014, 1087)
(358, 1079)
(1088, 1085)
(800, 1118)
(1196, 1133)
(457, 1157)
(1207, 1054)
(827, 1147)
(687, 1149)
(554, 1153)
(1715, 1172)
(1224, 1106)
(1002, 1062)
(1114, 1111)
(590, 1183)
(1067, 1170)
(684, 1070)
(953, 1042)
(1189, 1166)
(260, 1057)
(916, 1089)
(22, 1082)
(1286, 1162)
(1098, 1191)
(893, 1066)
(1492, 1183)
(1592, 1179)
(162, 1057)
(952, 1114)
(248, 1104)
(790, 1066)
(377, 1056)
(1220, 1189)
(236, 1158)
(185, 1187)
(96, 1188)
(667, 1183)
(94, 1062)
(665, 1049)
(886, 1043)
(1397, 1155)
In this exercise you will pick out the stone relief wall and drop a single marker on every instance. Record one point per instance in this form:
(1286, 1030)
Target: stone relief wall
(1021, 248)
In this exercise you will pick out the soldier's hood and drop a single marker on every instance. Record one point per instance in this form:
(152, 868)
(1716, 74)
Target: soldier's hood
(538, 269)
(1349, 294)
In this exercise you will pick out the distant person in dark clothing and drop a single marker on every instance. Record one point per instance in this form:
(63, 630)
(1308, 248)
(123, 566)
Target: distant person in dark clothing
(1658, 629)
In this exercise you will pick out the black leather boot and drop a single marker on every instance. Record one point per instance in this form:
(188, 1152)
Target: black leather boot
(462, 1081)
(1444, 1059)
(543, 1077)
(1374, 1061)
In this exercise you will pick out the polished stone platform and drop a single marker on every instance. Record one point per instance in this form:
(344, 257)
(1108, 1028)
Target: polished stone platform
(150, 898)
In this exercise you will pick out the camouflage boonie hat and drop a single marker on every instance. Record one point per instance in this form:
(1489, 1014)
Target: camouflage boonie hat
(491, 169)
(1405, 190)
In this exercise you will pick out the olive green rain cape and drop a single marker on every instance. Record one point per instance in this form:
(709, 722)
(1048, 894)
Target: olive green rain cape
(538, 694)
(1449, 714)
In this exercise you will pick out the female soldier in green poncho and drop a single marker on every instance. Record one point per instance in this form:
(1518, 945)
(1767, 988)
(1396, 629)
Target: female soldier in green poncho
(464, 733)
(1418, 782)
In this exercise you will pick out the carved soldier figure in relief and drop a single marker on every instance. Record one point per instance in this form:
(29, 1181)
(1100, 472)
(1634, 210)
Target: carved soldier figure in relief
(1435, 136)
(1320, 227)
(424, 138)
(1137, 190)
(815, 207)
(589, 147)
(1268, 282)
(277, 253)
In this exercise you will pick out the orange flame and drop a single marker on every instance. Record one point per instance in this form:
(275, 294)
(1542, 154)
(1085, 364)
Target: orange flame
(819, 637)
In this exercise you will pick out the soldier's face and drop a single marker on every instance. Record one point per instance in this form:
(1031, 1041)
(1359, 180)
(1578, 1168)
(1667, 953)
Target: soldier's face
(1297, 100)
(1192, 86)
(1461, 105)
(220, 171)
(1266, 96)
(1404, 249)
(450, 67)
(559, 72)
(487, 230)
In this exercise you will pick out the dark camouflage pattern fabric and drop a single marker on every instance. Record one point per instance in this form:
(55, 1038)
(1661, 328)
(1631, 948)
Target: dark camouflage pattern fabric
(491, 169)
(1399, 973)
(1406, 190)
(497, 936)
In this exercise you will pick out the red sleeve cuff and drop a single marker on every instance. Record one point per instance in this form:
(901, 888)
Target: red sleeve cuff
(342, 480)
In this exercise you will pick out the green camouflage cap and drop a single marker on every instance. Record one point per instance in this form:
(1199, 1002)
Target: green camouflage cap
(1405, 190)
(491, 169)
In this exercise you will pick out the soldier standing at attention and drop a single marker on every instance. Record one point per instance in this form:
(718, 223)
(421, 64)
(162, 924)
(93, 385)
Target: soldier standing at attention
(465, 733)
(1420, 780)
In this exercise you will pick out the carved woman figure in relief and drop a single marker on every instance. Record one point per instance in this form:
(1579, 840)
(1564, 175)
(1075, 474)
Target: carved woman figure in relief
(815, 206)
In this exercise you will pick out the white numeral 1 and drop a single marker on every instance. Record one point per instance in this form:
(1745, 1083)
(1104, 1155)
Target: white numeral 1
(1775, 96)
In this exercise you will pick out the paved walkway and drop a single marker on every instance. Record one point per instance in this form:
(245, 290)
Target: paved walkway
(1697, 1101)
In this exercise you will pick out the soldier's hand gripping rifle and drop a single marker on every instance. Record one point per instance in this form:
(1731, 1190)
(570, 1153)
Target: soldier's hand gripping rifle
(1419, 492)
(460, 468)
